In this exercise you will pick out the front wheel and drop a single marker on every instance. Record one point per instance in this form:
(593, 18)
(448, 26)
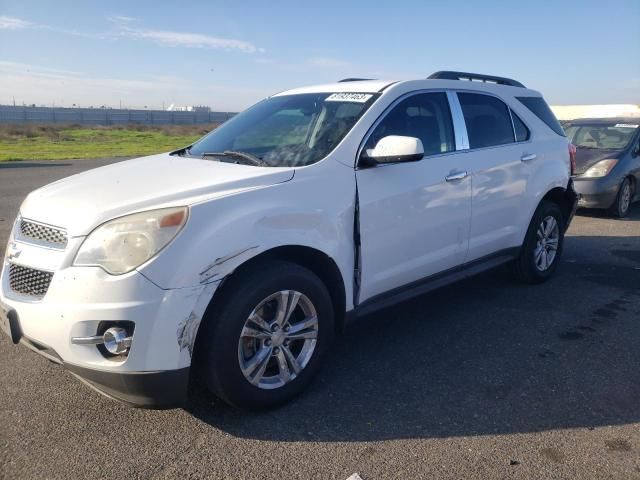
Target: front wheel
(542, 246)
(269, 336)
(620, 207)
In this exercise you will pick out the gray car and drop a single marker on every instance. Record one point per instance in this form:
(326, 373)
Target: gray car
(607, 162)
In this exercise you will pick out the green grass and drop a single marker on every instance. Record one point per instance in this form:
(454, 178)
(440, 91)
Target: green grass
(53, 142)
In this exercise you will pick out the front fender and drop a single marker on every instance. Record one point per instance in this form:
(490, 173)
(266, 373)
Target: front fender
(223, 233)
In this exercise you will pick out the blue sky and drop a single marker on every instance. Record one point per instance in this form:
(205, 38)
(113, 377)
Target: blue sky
(230, 54)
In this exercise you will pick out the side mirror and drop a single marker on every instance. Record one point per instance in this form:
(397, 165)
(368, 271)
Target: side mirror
(393, 149)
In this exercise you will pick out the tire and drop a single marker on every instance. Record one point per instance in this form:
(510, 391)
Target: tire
(620, 207)
(533, 265)
(227, 344)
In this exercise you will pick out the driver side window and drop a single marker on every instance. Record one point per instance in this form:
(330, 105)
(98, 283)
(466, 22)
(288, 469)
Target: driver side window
(425, 116)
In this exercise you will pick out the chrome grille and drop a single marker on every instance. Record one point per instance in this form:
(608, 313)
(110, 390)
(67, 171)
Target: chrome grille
(29, 281)
(53, 236)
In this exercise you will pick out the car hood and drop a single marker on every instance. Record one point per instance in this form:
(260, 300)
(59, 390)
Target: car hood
(81, 202)
(587, 157)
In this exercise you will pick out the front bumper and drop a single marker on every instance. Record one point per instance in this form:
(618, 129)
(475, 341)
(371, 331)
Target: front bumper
(597, 192)
(154, 373)
(166, 389)
(160, 389)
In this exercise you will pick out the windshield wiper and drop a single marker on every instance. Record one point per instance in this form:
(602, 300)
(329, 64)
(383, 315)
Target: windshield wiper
(243, 155)
(247, 156)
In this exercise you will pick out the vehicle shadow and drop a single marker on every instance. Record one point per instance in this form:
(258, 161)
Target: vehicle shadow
(485, 356)
(634, 213)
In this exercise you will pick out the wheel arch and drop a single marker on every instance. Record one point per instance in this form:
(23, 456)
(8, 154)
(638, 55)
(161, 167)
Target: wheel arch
(558, 195)
(313, 259)
(634, 183)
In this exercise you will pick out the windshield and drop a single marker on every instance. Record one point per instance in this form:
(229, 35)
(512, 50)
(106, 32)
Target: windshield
(284, 131)
(607, 137)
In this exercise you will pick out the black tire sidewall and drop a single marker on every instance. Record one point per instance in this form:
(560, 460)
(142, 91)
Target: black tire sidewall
(618, 211)
(222, 370)
(544, 210)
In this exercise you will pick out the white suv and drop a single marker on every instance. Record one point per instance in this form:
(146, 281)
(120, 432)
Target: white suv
(244, 253)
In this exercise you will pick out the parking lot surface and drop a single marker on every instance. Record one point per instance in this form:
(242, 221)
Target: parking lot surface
(484, 379)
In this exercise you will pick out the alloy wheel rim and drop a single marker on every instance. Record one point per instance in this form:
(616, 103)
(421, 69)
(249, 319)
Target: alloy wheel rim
(548, 239)
(625, 198)
(278, 339)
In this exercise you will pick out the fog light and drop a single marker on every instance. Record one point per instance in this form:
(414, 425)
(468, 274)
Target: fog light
(116, 340)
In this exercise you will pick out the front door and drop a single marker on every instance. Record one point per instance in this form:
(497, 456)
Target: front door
(415, 216)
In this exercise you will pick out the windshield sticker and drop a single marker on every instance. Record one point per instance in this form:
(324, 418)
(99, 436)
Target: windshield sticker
(349, 97)
(626, 125)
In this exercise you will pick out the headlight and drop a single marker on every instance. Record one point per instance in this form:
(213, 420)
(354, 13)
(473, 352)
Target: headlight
(122, 244)
(600, 169)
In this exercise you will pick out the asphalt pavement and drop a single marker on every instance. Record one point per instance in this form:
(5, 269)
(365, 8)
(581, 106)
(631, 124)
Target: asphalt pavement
(484, 379)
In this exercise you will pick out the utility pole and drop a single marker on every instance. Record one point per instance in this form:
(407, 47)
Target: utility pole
(14, 101)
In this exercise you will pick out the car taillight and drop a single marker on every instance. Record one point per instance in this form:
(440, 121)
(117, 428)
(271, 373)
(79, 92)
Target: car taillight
(572, 158)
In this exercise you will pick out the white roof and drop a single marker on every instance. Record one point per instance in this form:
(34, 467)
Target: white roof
(373, 86)
(361, 86)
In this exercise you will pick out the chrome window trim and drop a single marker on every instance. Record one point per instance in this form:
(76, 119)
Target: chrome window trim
(480, 149)
(513, 125)
(459, 125)
(391, 106)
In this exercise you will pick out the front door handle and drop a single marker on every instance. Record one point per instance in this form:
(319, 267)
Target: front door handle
(527, 157)
(455, 176)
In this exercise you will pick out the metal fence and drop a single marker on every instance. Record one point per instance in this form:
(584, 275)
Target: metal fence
(107, 116)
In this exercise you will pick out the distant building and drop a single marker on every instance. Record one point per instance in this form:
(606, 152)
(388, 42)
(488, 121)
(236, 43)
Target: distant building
(188, 108)
(571, 112)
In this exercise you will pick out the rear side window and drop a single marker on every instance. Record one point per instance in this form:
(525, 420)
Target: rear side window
(541, 110)
(488, 120)
(522, 132)
(425, 116)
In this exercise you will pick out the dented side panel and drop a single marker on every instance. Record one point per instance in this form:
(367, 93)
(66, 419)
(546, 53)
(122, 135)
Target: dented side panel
(189, 325)
(223, 234)
(211, 273)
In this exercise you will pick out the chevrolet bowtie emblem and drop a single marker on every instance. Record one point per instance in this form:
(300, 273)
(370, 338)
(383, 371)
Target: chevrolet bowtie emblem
(13, 251)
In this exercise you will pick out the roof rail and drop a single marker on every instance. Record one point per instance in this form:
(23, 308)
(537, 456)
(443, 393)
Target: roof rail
(354, 80)
(449, 75)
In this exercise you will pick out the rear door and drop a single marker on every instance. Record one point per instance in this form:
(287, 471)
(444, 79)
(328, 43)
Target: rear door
(499, 160)
(414, 217)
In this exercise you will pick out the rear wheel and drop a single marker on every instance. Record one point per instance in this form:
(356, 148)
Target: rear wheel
(620, 207)
(542, 246)
(268, 337)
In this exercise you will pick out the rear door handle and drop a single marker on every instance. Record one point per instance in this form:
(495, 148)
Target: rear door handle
(527, 157)
(455, 176)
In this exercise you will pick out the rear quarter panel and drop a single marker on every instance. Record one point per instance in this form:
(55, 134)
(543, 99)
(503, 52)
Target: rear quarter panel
(550, 169)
